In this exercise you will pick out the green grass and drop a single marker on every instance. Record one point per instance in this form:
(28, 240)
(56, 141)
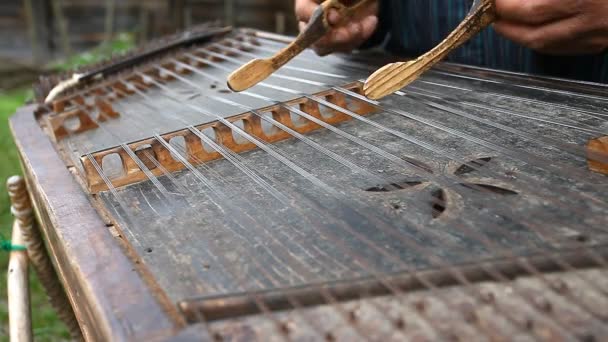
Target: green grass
(46, 325)
(122, 43)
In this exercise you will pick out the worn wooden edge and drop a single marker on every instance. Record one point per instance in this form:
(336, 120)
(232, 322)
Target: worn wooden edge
(232, 306)
(523, 308)
(110, 298)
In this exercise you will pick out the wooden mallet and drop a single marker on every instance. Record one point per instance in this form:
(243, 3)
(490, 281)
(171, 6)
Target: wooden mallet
(258, 70)
(395, 76)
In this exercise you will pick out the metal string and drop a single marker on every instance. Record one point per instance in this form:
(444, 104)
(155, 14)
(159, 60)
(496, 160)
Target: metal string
(412, 90)
(317, 121)
(140, 164)
(549, 90)
(523, 156)
(572, 149)
(157, 138)
(168, 89)
(595, 115)
(287, 67)
(174, 74)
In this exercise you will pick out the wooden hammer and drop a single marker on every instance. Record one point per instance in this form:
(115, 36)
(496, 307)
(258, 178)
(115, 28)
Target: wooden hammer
(395, 76)
(258, 70)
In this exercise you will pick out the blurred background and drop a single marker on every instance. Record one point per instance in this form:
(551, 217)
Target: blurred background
(44, 36)
(35, 33)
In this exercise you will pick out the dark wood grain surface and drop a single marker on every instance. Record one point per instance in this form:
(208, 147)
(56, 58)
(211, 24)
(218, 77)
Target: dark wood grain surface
(110, 299)
(523, 195)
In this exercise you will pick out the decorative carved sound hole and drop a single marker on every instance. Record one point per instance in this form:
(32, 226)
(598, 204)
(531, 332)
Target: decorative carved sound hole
(441, 198)
(393, 186)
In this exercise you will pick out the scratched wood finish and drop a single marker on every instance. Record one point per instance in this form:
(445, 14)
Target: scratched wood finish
(183, 250)
(205, 270)
(166, 262)
(111, 300)
(476, 317)
(233, 306)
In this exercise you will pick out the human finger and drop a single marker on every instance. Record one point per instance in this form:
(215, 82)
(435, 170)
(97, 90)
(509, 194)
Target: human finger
(305, 8)
(369, 25)
(349, 37)
(332, 41)
(537, 11)
(334, 16)
(570, 36)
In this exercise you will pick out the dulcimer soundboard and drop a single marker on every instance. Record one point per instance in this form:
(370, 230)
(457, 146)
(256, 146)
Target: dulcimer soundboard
(470, 205)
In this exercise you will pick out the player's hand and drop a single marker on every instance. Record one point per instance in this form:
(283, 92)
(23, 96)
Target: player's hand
(559, 27)
(340, 39)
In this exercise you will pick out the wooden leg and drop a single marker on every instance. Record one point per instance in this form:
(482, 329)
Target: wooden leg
(39, 258)
(19, 308)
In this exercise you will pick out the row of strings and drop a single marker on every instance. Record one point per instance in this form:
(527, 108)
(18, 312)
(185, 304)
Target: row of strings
(179, 197)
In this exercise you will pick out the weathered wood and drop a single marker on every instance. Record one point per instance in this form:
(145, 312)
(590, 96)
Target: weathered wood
(234, 306)
(178, 253)
(110, 298)
(490, 311)
(19, 309)
(197, 154)
(395, 76)
(213, 237)
(84, 117)
(297, 215)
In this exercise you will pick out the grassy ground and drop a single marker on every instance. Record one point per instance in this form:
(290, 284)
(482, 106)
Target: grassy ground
(47, 326)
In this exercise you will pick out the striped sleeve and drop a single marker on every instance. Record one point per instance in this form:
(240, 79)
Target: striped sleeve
(412, 27)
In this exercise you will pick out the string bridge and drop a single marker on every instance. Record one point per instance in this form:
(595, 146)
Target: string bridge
(157, 158)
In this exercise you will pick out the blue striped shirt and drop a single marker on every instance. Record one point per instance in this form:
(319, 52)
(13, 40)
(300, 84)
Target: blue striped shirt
(416, 26)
